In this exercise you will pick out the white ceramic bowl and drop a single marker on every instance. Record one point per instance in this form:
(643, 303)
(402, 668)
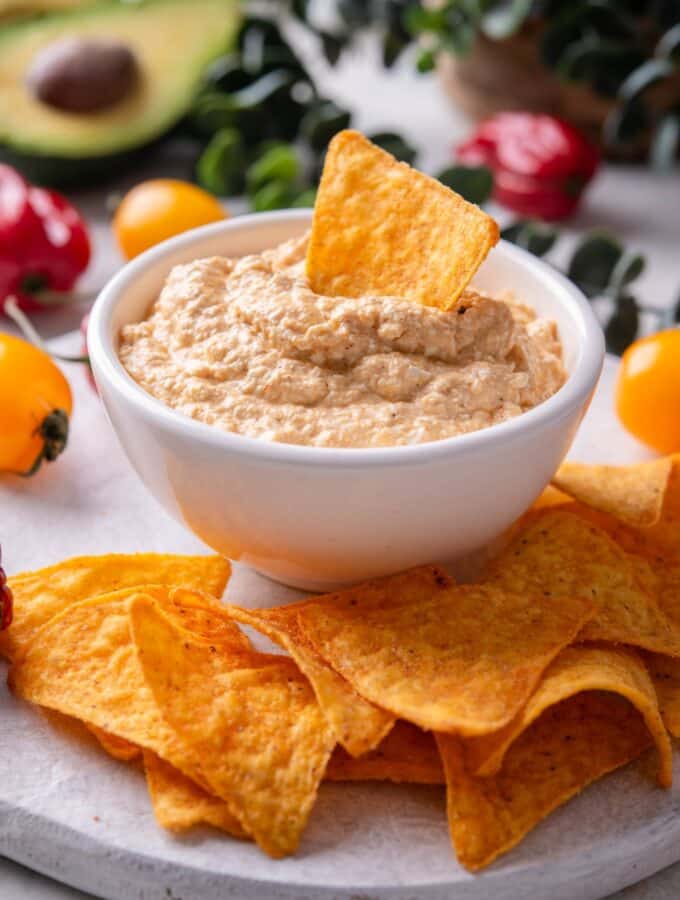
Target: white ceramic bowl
(319, 517)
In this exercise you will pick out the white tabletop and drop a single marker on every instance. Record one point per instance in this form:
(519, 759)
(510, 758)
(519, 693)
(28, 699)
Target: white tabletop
(641, 207)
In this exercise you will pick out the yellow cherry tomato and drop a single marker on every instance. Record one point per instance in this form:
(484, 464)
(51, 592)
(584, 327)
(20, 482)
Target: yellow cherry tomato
(648, 390)
(35, 408)
(158, 209)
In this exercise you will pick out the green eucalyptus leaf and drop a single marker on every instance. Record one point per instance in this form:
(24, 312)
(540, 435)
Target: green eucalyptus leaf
(212, 112)
(300, 9)
(393, 43)
(540, 238)
(625, 123)
(513, 231)
(460, 37)
(593, 263)
(261, 31)
(669, 44)
(332, 46)
(475, 183)
(395, 144)
(663, 151)
(419, 19)
(305, 199)
(220, 168)
(645, 76)
(426, 61)
(622, 329)
(567, 25)
(273, 195)
(603, 64)
(355, 13)
(321, 122)
(278, 164)
(505, 18)
(536, 237)
(227, 74)
(627, 269)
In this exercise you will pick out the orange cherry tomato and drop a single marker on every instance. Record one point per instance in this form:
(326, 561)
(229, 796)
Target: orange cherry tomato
(35, 408)
(158, 209)
(648, 390)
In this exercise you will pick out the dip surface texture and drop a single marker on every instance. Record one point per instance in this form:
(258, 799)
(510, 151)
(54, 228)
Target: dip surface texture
(246, 346)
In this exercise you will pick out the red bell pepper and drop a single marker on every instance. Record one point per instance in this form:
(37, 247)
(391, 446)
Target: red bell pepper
(6, 600)
(44, 243)
(541, 164)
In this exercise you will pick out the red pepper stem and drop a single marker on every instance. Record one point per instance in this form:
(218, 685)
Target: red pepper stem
(11, 309)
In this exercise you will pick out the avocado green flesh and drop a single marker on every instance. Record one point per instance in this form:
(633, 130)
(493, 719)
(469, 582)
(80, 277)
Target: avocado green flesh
(173, 40)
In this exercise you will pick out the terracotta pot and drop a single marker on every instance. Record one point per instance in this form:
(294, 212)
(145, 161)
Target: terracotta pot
(510, 74)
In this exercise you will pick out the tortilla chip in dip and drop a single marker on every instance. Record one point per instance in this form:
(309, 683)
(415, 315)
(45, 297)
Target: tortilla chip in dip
(382, 228)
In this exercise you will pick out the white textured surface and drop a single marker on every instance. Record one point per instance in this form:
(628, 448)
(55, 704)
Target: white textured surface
(67, 810)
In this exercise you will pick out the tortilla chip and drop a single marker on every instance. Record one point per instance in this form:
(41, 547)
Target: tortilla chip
(665, 674)
(569, 746)
(407, 754)
(197, 612)
(42, 594)
(357, 724)
(660, 542)
(382, 228)
(634, 494)
(549, 498)
(83, 664)
(576, 669)
(560, 555)
(179, 803)
(262, 740)
(463, 660)
(116, 747)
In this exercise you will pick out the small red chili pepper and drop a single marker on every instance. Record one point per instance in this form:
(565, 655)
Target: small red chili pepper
(541, 165)
(6, 599)
(44, 243)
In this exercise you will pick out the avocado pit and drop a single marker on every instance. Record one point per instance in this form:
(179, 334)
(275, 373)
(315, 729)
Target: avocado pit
(79, 75)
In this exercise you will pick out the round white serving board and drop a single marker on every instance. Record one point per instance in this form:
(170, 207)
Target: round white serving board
(69, 811)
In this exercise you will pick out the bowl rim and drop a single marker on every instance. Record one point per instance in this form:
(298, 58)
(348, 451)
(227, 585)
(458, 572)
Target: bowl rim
(580, 383)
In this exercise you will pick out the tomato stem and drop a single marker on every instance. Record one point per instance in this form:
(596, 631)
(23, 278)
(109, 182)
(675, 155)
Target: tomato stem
(54, 433)
(11, 309)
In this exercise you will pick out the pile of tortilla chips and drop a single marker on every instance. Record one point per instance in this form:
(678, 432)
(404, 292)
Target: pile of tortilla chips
(560, 665)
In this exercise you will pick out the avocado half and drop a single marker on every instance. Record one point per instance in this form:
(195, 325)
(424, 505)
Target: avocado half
(173, 41)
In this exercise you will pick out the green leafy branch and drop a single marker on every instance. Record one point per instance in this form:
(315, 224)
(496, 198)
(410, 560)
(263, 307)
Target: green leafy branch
(602, 268)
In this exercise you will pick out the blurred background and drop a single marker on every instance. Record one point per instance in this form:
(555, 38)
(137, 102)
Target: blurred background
(563, 118)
